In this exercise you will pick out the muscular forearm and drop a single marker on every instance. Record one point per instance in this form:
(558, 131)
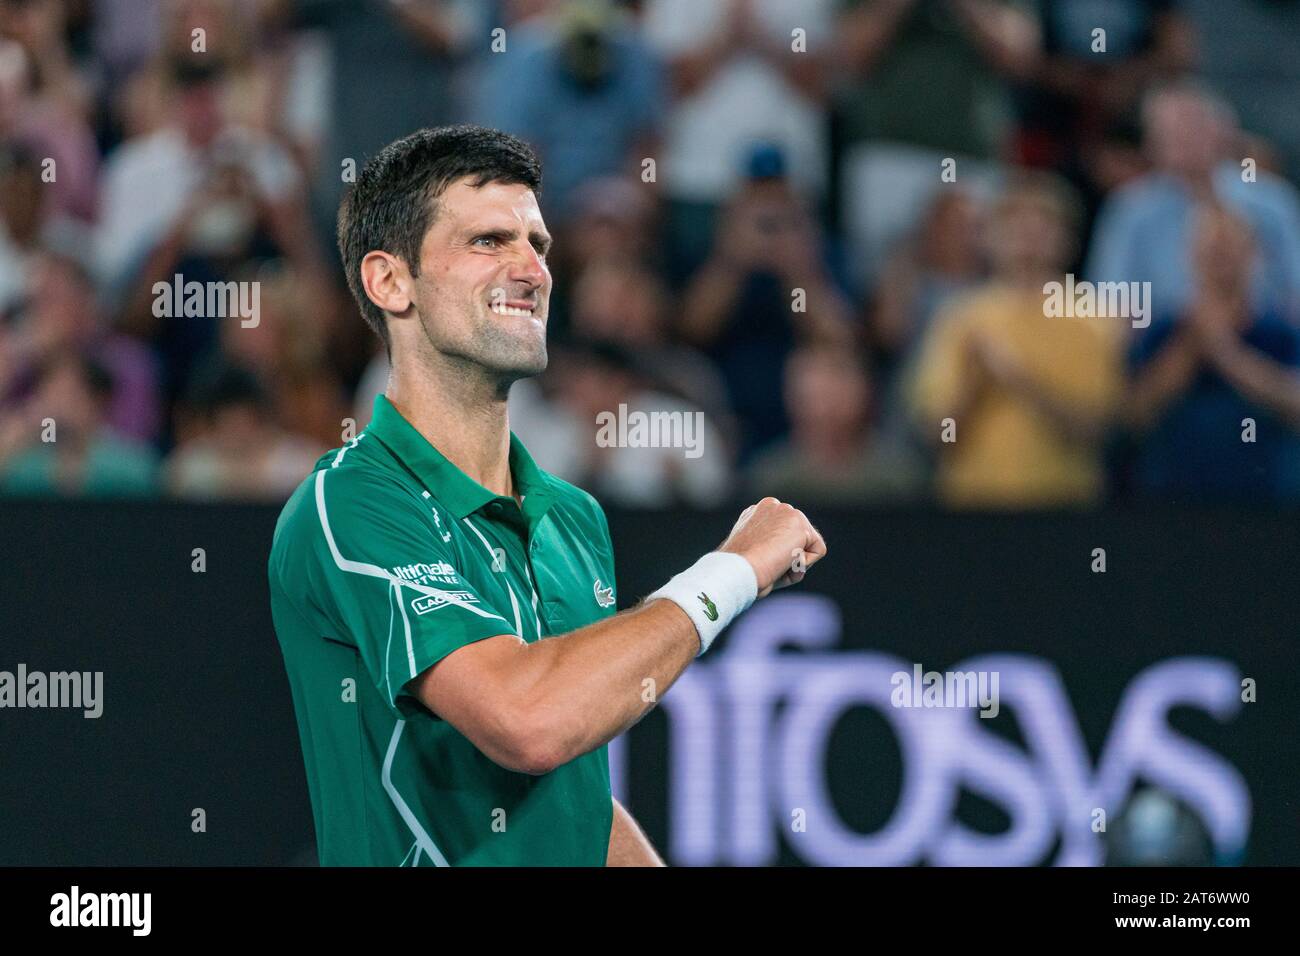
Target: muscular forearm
(533, 707)
(587, 687)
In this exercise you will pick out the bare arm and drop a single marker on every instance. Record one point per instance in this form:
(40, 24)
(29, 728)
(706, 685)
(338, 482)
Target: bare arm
(866, 31)
(628, 845)
(1259, 379)
(1006, 37)
(1117, 84)
(690, 70)
(534, 707)
(1078, 417)
(709, 300)
(430, 23)
(1083, 423)
(136, 316)
(949, 378)
(890, 314)
(1161, 380)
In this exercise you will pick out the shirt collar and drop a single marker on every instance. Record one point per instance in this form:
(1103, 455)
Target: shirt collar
(460, 493)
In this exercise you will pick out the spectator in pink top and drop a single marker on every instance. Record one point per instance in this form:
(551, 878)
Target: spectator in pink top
(50, 122)
(61, 316)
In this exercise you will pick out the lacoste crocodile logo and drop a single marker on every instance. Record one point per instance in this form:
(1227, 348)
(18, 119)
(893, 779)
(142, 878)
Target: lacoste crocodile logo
(710, 609)
(604, 596)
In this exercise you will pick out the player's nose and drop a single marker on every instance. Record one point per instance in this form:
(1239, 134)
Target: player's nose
(529, 267)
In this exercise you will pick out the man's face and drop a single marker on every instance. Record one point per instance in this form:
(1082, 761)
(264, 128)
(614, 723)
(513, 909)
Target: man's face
(484, 287)
(1026, 234)
(826, 392)
(1185, 135)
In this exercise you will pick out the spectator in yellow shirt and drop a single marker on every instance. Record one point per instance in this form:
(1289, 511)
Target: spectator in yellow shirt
(1017, 401)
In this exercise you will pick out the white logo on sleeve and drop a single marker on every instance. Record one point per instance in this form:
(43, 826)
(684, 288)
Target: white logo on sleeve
(439, 572)
(433, 602)
(604, 596)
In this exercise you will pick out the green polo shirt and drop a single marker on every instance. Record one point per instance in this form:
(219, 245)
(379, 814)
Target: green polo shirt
(385, 560)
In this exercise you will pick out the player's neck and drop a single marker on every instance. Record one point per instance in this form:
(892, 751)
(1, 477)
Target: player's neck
(468, 426)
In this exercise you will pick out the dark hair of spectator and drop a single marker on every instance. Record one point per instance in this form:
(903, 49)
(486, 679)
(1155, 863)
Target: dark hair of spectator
(1049, 191)
(223, 385)
(18, 157)
(190, 72)
(97, 378)
(394, 201)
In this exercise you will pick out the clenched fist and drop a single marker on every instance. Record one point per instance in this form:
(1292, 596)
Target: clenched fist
(778, 542)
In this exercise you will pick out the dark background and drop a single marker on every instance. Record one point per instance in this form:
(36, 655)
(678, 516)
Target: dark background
(197, 711)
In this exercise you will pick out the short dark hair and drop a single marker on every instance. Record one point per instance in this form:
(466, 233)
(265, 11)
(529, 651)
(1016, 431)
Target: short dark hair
(220, 385)
(394, 201)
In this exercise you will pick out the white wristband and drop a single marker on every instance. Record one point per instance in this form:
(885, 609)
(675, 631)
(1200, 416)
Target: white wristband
(712, 592)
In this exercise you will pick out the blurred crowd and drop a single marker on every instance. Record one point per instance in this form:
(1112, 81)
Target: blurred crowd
(826, 227)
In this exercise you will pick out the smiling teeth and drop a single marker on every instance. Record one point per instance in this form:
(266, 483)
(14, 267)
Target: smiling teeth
(510, 310)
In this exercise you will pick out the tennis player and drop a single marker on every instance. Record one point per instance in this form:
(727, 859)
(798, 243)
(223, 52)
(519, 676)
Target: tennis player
(446, 609)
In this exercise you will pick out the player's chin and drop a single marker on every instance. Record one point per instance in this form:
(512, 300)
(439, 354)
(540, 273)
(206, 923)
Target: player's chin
(534, 359)
(525, 363)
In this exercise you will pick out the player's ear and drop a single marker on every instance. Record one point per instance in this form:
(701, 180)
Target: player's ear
(387, 282)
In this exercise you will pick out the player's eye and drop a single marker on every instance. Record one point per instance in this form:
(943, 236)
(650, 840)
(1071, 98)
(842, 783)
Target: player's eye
(490, 240)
